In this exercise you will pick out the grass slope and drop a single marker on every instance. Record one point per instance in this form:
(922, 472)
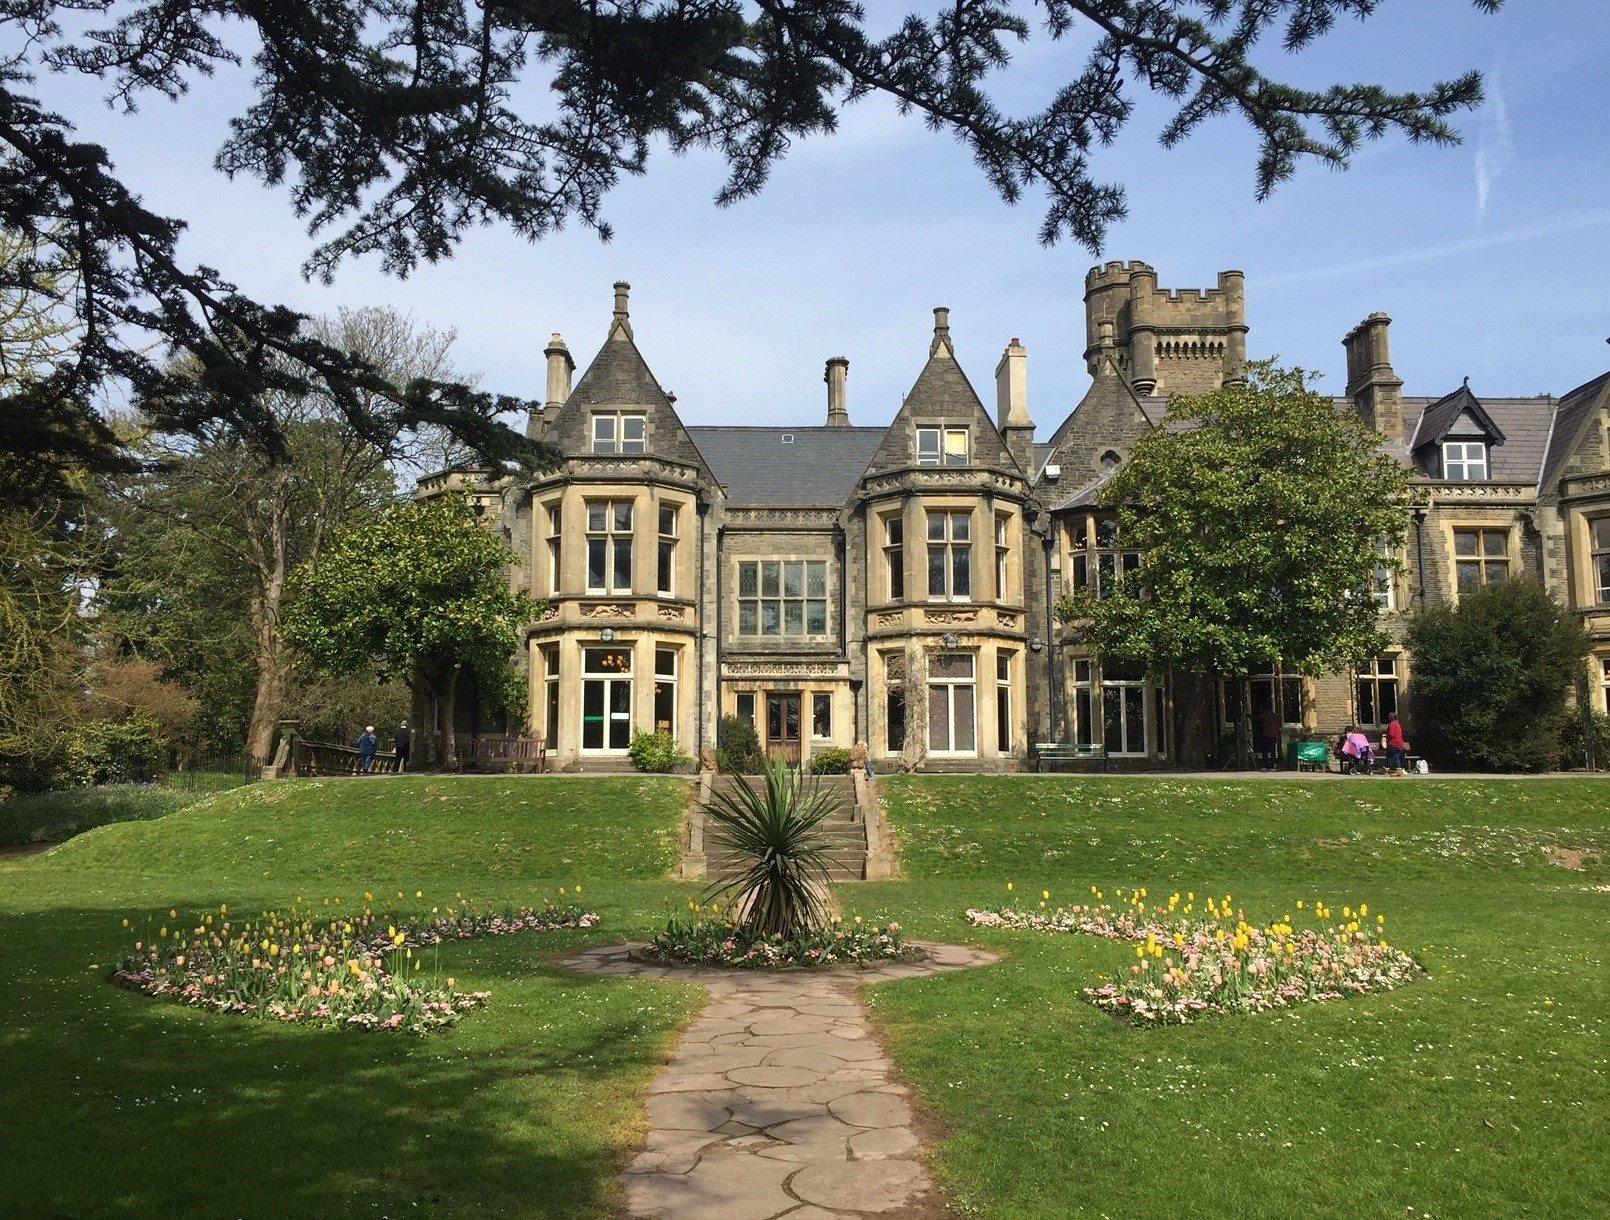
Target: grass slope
(135, 1107)
(1464, 1095)
(1468, 1094)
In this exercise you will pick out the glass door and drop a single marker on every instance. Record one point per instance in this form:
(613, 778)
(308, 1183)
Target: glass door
(606, 700)
(782, 724)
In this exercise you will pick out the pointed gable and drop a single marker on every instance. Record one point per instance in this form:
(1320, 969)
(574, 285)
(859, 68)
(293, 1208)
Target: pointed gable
(1458, 414)
(1579, 440)
(942, 395)
(1109, 418)
(619, 380)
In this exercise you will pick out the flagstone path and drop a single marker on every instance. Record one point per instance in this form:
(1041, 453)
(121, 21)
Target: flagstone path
(779, 1101)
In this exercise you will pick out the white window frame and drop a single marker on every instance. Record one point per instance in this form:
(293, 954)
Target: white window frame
(666, 678)
(894, 555)
(954, 687)
(1464, 461)
(1278, 684)
(951, 545)
(665, 553)
(1604, 684)
(821, 698)
(1085, 707)
(610, 679)
(611, 535)
(550, 695)
(555, 546)
(1003, 691)
(1383, 579)
(617, 440)
(1118, 688)
(1003, 555)
(950, 447)
(1599, 557)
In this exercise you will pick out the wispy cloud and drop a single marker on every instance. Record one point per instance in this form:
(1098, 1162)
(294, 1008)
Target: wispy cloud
(1424, 254)
(1495, 142)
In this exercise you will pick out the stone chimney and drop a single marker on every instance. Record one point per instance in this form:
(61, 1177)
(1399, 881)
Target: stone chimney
(623, 292)
(838, 403)
(1376, 390)
(941, 333)
(1142, 332)
(1012, 405)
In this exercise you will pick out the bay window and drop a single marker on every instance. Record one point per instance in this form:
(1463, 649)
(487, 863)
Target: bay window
(950, 555)
(952, 718)
(609, 546)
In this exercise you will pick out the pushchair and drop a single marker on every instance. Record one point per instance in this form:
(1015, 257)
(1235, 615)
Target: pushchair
(1355, 754)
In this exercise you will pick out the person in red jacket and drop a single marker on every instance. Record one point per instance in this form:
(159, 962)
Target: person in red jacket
(1396, 746)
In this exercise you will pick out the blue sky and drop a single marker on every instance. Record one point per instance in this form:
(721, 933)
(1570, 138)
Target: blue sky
(1492, 258)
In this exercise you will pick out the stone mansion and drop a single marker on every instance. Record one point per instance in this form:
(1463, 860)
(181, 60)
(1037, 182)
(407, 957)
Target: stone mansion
(835, 584)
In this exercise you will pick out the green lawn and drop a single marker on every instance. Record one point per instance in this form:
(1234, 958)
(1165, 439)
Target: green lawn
(1467, 1094)
(1462, 1095)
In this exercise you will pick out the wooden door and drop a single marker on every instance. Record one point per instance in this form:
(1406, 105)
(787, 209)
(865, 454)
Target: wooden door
(782, 724)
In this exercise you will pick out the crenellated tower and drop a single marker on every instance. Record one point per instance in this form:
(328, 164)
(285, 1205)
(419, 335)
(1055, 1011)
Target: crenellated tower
(1167, 341)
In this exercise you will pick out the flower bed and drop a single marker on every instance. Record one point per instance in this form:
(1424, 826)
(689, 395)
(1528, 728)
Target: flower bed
(721, 942)
(1188, 967)
(363, 972)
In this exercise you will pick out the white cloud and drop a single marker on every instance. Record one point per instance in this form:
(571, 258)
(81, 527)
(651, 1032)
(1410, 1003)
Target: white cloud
(1495, 142)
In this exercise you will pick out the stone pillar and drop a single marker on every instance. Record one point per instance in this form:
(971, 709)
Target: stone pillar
(1233, 284)
(1142, 332)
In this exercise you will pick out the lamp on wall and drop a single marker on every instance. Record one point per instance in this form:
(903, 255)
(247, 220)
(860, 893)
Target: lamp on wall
(950, 639)
(607, 635)
(1036, 644)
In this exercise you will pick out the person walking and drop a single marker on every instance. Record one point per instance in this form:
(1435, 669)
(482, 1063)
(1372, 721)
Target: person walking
(1269, 737)
(405, 745)
(1397, 748)
(368, 743)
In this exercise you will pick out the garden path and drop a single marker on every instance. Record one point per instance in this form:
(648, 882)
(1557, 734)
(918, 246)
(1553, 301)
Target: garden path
(779, 1101)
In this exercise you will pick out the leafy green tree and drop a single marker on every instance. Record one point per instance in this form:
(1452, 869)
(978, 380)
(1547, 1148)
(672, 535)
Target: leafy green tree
(397, 127)
(252, 514)
(419, 596)
(1491, 676)
(1257, 511)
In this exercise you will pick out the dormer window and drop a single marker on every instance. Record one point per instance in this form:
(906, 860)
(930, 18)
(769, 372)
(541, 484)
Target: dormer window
(942, 446)
(615, 432)
(1464, 461)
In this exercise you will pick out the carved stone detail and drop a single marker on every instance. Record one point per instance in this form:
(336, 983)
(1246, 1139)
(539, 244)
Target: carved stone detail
(609, 610)
(953, 616)
(673, 612)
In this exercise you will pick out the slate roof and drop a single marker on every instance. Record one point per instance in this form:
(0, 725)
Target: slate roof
(1571, 415)
(1524, 424)
(819, 466)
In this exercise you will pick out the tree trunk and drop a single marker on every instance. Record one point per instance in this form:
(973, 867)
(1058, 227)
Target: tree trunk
(449, 713)
(268, 704)
(1243, 727)
(1193, 741)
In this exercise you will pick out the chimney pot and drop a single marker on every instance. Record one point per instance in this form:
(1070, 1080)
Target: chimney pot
(836, 375)
(941, 331)
(623, 292)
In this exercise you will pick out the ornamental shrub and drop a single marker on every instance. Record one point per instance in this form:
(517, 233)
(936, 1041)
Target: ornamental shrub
(834, 761)
(737, 747)
(657, 752)
(1491, 676)
(122, 751)
(1573, 753)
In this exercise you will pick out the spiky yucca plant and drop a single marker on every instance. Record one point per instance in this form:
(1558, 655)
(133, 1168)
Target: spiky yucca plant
(775, 831)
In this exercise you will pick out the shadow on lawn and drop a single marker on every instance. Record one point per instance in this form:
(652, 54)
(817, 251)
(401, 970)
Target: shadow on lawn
(126, 1105)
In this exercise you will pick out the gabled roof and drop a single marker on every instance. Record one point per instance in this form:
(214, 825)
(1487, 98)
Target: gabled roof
(942, 394)
(1524, 424)
(1108, 416)
(1442, 417)
(619, 377)
(796, 466)
(1571, 417)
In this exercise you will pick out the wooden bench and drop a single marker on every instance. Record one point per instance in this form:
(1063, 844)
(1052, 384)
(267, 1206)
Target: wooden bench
(1052, 754)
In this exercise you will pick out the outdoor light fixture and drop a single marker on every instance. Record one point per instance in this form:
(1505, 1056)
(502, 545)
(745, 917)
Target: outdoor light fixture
(950, 639)
(1036, 644)
(607, 635)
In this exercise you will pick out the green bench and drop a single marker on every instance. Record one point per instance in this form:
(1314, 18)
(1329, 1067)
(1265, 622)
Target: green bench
(1049, 755)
